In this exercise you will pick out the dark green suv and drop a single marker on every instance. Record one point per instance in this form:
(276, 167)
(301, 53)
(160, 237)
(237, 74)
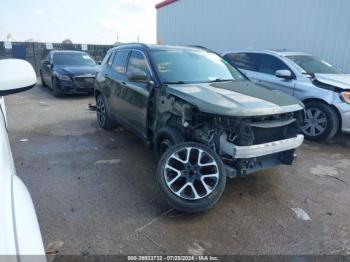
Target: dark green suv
(204, 120)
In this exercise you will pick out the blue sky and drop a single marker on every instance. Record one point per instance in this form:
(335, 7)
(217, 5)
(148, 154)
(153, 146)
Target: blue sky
(82, 21)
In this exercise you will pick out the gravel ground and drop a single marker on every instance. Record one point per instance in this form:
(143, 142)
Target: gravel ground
(95, 192)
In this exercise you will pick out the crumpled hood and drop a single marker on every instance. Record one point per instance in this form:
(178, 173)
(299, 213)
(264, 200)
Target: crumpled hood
(238, 98)
(339, 80)
(77, 70)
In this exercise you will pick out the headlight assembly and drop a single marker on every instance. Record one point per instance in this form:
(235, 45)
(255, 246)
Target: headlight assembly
(63, 77)
(345, 96)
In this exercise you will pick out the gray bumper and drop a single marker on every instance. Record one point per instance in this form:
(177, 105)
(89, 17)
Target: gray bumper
(344, 110)
(241, 152)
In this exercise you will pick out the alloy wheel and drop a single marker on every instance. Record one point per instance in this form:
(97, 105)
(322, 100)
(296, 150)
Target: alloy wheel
(191, 173)
(101, 110)
(315, 122)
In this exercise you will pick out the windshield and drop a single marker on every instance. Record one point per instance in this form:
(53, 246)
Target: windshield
(313, 65)
(192, 66)
(73, 59)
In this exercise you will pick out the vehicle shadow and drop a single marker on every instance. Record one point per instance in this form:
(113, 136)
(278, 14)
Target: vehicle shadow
(340, 139)
(47, 90)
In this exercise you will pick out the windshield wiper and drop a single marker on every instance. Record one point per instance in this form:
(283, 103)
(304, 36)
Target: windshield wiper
(175, 83)
(220, 80)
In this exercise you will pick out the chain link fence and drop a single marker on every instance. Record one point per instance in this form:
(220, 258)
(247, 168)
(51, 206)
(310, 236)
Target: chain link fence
(34, 52)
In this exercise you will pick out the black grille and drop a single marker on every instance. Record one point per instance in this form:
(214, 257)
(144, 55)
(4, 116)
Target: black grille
(85, 82)
(265, 135)
(247, 134)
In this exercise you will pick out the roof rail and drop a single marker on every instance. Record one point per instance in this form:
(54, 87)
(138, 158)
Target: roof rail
(134, 45)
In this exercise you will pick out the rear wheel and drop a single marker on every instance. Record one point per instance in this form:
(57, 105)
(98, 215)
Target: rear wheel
(321, 122)
(191, 177)
(102, 115)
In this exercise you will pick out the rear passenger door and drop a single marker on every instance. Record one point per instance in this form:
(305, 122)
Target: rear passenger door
(135, 94)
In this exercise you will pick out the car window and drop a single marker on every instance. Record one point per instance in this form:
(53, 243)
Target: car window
(137, 63)
(246, 61)
(313, 65)
(270, 64)
(110, 58)
(192, 66)
(119, 61)
(73, 59)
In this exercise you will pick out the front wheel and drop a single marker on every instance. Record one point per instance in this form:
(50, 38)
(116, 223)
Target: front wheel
(56, 91)
(191, 177)
(321, 122)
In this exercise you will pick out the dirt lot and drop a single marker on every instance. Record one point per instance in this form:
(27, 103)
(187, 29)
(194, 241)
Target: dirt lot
(95, 191)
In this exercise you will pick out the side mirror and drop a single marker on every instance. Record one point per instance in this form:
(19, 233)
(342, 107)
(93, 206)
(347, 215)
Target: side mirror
(138, 76)
(99, 62)
(16, 76)
(286, 74)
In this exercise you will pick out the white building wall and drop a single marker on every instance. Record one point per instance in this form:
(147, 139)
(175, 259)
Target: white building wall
(319, 27)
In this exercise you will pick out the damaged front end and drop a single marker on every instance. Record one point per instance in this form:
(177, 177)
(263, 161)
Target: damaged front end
(248, 144)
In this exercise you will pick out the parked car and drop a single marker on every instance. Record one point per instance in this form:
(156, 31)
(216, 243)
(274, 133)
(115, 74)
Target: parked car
(203, 118)
(68, 72)
(20, 233)
(324, 89)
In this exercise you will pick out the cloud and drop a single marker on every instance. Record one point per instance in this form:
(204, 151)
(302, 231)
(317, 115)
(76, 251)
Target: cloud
(130, 19)
(38, 11)
(108, 23)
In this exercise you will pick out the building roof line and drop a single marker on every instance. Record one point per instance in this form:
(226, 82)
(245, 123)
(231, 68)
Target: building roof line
(165, 3)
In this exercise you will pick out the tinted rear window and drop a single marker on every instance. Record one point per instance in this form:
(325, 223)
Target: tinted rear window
(244, 61)
(262, 63)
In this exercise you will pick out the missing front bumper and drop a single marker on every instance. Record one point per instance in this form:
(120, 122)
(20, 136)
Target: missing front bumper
(244, 152)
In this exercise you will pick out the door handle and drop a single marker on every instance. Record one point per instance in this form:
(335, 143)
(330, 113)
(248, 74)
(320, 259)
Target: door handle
(124, 83)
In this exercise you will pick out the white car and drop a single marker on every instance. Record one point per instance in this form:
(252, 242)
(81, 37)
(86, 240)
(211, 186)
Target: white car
(19, 228)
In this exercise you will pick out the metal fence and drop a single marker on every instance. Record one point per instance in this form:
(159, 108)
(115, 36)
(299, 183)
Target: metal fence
(34, 52)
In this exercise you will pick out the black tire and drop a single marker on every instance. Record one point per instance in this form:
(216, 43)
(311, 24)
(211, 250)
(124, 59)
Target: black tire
(55, 89)
(165, 138)
(103, 118)
(42, 80)
(323, 122)
(182, 201)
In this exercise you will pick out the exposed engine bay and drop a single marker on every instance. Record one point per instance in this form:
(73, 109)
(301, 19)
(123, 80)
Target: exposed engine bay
(220, 133)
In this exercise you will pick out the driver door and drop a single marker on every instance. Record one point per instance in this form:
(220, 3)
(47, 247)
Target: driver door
(266, 75)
